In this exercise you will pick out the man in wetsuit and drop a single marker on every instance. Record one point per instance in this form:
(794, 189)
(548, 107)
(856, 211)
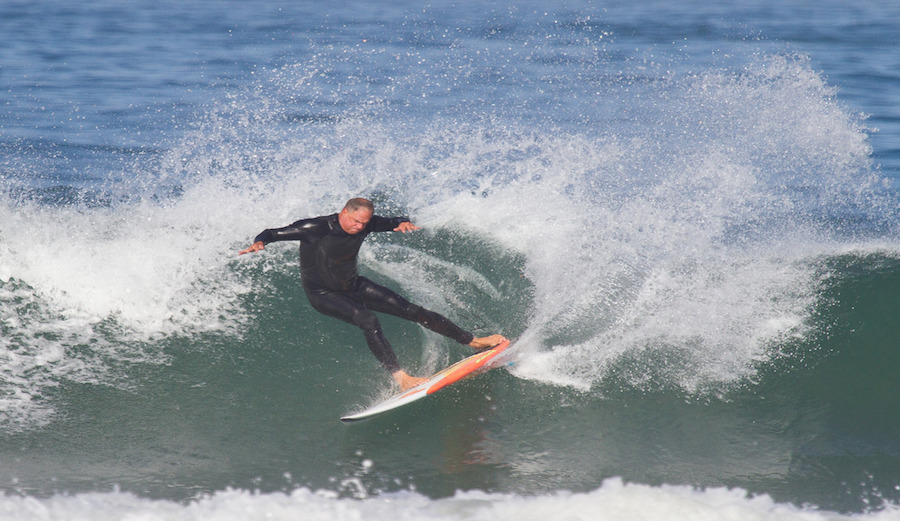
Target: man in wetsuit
(329, 246)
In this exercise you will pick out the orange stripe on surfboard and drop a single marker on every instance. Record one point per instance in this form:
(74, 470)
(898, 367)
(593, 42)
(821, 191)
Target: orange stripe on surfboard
(466, 367)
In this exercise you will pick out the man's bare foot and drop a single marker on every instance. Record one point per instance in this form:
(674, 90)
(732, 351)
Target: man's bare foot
(487, 342)
(406, 381)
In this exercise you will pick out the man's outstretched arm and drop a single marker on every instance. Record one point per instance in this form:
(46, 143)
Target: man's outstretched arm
(297, 231)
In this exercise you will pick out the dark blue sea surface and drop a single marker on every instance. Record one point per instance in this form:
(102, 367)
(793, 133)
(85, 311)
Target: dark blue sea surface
(685, 215)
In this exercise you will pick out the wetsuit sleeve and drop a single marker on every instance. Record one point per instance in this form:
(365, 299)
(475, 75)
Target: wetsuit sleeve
(297, 231)
(386, 224)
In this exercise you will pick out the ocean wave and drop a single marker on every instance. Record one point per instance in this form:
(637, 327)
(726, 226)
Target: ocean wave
(644, 243)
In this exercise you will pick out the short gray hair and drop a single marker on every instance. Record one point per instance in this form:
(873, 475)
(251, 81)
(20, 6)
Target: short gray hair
(358, 203)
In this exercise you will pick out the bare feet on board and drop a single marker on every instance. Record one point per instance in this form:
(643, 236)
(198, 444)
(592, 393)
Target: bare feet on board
(406, 381)
(486, 342)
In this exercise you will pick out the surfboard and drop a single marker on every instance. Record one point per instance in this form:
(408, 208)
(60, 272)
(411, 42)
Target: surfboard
(475, 364)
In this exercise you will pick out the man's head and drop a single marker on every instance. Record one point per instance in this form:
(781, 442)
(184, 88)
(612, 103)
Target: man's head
(356, 215)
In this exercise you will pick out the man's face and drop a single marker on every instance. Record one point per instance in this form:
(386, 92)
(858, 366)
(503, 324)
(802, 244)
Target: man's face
(355, 221)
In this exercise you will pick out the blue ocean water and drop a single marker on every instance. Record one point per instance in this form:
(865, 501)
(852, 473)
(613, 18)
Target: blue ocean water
(685, 216)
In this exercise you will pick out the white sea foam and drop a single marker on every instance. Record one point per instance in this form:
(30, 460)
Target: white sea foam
(692, 246)
(86, 287)
(612, 501)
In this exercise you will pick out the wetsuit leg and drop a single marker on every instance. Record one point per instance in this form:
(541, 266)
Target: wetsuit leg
(349, 308)
(383, 300)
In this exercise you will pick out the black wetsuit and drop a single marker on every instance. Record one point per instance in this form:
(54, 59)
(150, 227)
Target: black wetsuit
(334, 287)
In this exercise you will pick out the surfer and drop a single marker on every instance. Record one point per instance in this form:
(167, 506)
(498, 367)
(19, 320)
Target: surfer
(329, 246)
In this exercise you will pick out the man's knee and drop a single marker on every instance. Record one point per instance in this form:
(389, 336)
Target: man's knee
(365, 319)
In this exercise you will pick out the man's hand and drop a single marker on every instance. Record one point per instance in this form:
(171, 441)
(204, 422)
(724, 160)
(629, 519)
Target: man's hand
(255, 247)
(406, 226)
